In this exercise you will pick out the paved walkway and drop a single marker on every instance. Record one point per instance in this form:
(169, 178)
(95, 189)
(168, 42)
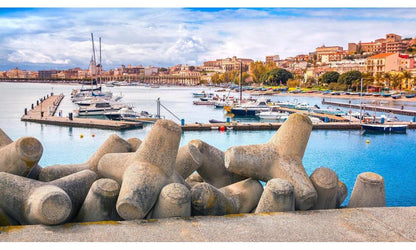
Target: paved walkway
(360, 224)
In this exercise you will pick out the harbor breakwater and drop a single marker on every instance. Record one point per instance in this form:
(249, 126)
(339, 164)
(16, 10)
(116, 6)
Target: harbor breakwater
(155, 178)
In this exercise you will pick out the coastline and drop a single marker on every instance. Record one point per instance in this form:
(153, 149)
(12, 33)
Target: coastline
(256, 93)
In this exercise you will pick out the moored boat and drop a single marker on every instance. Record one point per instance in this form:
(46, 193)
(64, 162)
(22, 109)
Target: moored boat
(384, 128)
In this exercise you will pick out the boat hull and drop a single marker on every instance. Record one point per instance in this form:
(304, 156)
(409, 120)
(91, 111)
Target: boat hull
(375, 128)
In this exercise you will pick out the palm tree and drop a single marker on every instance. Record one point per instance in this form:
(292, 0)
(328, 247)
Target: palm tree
(396, 80)
(378, 77)
(406, 76)
(387, 78)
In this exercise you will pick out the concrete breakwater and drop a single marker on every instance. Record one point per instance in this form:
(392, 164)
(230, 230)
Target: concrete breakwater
(155, 178)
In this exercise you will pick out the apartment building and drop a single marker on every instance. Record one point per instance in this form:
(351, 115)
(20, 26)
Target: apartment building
(327, 52)
(391, 44)
(273, 58)
(386, 62)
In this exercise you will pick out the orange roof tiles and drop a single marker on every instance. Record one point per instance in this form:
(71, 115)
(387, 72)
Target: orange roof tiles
(382, 55)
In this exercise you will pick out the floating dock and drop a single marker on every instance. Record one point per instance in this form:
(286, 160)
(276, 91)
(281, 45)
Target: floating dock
(372, 108)
(275, 126)
(46, 108)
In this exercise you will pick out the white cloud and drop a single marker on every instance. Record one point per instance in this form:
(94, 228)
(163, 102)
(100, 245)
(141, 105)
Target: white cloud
(164, 37)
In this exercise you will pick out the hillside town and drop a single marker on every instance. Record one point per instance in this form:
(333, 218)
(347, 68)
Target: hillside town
(388, 60)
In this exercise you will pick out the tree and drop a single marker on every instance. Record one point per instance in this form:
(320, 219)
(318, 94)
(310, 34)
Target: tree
(387, 78)
(349, 77)
(277, 76)
(406, 76)
(328, 77)
(396, 81)
(257, 69)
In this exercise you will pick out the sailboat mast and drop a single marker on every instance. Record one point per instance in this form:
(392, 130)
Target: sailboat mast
(241, 79)
(100, 62)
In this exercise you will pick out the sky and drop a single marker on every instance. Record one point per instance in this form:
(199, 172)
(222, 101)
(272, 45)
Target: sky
(60, 38)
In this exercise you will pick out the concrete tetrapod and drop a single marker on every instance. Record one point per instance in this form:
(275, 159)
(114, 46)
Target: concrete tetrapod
(5, 140)
(114, 165)
(281, 157)
(134, 143)
(240, 197)
(212, 168)
(100, 203)
(188, 160)
(76, 185)
(194, 179)
(325, 182)
(277, 197)
(6, 220)
(19, 157)
(151, 169)
(113, 144)
(33, 202)
(174, 201)
(342, 193)
(368, 191)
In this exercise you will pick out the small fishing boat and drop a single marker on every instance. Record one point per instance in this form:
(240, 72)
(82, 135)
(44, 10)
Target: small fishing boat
(216, 121)
(384, 128)
(410, 95)
(273, 115)
(397, 96)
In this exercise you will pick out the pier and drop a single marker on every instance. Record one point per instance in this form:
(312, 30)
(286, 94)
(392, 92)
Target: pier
(376, 224)
(46, 107)
(275, 126)
(372, 108)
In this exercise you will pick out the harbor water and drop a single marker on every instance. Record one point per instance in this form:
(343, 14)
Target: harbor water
(346, 152)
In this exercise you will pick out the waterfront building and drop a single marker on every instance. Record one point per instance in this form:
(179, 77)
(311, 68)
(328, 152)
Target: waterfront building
(391, 44)
(327, 51)
(386, 62)
(343, 66)
(302, 58)
(227, 64)
(46, 74)
(273, 58)
(382, 63)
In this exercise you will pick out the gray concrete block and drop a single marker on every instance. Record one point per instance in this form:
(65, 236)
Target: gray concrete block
(33, 202)
(368, 191)
(20, 156)
(188, 160)
(325, 181)
(278, 196)
(76, 185)
(134, 143)
(100, 203)
(212, 168)
(113, 144)
(174, 201)
(281, 157)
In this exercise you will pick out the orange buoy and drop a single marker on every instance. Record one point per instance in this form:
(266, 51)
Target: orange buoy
(222, 128)
(93, 135)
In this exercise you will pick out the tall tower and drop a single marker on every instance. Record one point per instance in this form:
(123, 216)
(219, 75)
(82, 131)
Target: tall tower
(93, 68)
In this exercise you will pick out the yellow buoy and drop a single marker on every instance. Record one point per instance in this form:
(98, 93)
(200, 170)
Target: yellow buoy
(81, 136)
(367, 141)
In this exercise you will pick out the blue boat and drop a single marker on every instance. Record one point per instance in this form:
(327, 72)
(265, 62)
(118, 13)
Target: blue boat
(410, 95)
(384, 128)
(398, 96)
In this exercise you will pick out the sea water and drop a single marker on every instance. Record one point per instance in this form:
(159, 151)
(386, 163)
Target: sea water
(346, 152)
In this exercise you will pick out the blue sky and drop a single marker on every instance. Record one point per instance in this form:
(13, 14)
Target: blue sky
(46, 38)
